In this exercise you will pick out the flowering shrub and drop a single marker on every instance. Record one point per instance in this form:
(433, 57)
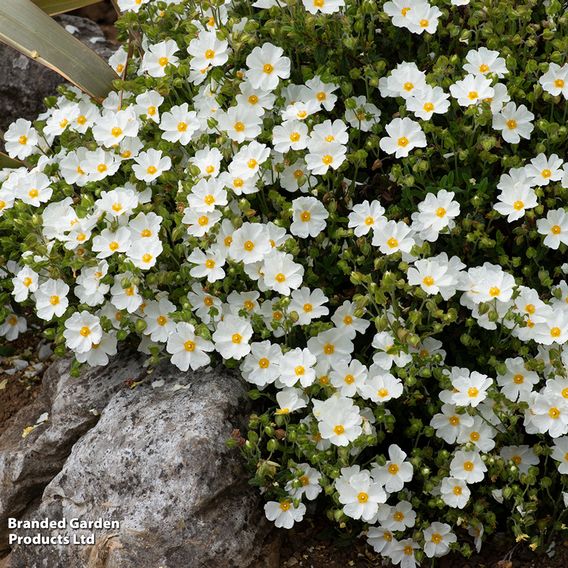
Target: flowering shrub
(359, 204)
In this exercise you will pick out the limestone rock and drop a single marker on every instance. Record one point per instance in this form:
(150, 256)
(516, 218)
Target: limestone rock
(28, 464)
(157, 462)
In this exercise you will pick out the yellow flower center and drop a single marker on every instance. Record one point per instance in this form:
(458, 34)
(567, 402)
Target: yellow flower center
(102, 168)
(454, 420)
(285, 505)
(162, 320)
(393, 468)
(209, 263)
(483, 68)
(280, 277)
(362, 497)
(472, 95)
(249, 246)
(546, 173)
(209, 170)
(239, 126)
(146, 258)
(511, 124)
(554, 413)
(81, 119)
(236, 338)
(151, 170)
(116, 131)
(408, 86)
(189, 345)
(252, 163)
(263, 363)
(494, 291)
(428, 281)
(424, 23)
(209, 199)
(253, 100)
(151, 110)
(268, 68)
(468, 466)
(555, 229)
(327, 159)
(305, 216)
(163, 61)
(382, 393)
(402, 141)
(555, 332)
(33, 193)
(518, 205)
(113, 246)
(436, 538)
(398, 516)
(299, 370)
(209, 54)
(85, 331)
(146, 233)
(203, 220)
(474, 436)
(457, 490)
(559, 83)
(392, 243)
(182, 126)
(349, 379)
(347, 320)
(339, 429)
(294, 137)
(428, 107)
(23, 140)
(472, 392)
(329, 349)
(519, 379)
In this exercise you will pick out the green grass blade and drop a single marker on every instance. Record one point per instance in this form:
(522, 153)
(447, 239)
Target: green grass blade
(54, 7)
(7, 162)
(30, 30)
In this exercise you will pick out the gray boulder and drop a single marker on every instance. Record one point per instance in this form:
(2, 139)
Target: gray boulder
(25, 83)
(156, 462)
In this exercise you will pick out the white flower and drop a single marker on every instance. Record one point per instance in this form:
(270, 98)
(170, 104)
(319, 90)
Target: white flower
(555, 80)
(449, 423)
(397, 518)
(364, 217)
(468, 466)
(428, 101)
(209, 264)
(82, 330)
(308, 479)
(291, 134)
(144, 253)
(404, 135)
(241, 123)
(522, 456)
(331, 346)
(402, 552)
(207, 50)
(187, 348)
(99, 354)
(348, 377)
(436, 275)
(150, 165)
(266, 66)
(485, 61)
(437, 540)
(309, 217)
(308, 304)
(159, 324)
(25, 282)
(470, 388)
(290, 399)
(51, 299)
(284, 513)
(112, 127)
(232, 337)
(472, 90)
(179, 124)
(262, 366)
(158, 57)
(21, 139)
(125, 294)
(455, 492)
(323, 156)
(281, 273)
(250, 243)
(109, 243)
(364, 116)
(515, 199)
(339, 420)
(554, 227)
(392, 236)
(424, 18)
(359, 493)
(297, 365)
(396, 472)
(542, 170)
(517, 382)
(381, 387)
(514, 122)
(12, 326)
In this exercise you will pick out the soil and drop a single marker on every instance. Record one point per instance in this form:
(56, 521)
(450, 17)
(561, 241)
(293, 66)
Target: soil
(19, 386)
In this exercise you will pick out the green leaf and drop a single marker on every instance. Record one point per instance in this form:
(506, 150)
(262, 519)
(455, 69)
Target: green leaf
(7, 162)
(54, 7)
(29, 29)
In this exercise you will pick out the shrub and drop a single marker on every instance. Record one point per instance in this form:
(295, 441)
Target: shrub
(359, 204)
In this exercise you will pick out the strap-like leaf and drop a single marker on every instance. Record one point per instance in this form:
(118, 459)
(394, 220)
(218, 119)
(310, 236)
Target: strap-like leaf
(30, 30)
(7, 162)
(54, 7)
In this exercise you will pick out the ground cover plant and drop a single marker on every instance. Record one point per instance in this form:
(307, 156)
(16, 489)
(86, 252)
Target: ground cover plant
(358, 205)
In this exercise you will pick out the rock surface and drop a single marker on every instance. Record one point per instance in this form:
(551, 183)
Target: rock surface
(155, 460)
(24, 83)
